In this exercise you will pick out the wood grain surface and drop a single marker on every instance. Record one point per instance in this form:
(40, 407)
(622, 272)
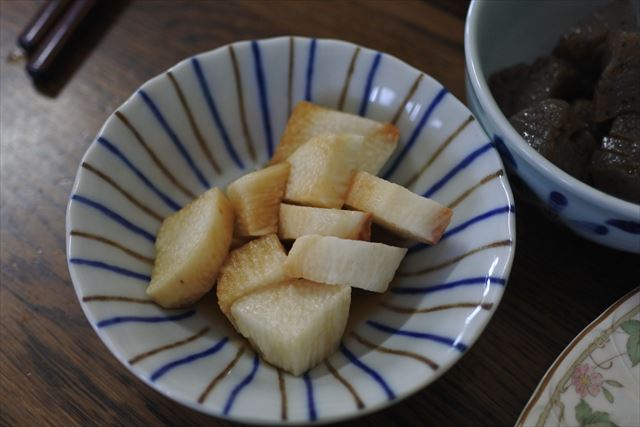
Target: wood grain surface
(54, 370)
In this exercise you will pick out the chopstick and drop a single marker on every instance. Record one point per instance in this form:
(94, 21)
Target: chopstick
(58, 23)
(46, 17)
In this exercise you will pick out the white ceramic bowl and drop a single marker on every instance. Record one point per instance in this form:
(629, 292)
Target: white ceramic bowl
(502, 33)
(151, 157)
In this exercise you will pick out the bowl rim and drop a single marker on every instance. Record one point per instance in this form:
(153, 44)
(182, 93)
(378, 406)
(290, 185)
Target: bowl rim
(179, 398)
(536, 160)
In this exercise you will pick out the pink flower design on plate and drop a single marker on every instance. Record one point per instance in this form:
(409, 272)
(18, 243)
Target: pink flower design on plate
(586, 380)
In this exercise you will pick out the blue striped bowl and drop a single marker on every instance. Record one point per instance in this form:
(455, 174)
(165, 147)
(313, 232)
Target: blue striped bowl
(218, 115)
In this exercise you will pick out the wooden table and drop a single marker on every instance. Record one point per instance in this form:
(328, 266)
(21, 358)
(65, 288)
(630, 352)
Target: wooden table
(54, 368)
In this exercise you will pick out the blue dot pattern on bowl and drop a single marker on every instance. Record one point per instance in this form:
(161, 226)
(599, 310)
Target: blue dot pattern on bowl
(558, 201)
(591, 226)
(626, 226)
(167, 192)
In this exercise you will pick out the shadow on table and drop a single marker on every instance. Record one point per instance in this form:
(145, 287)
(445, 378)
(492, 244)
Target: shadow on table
(80, 45)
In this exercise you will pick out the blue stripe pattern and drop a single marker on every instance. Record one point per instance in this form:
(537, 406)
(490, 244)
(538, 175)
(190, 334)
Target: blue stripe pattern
(364, 103)
(487, 280)
(371, 372)
(110, 267)
(214, 112)
(174, 137)
(116, 217)
(188, 359)
(262, 90)
(142, 319)
(457, 168)
(416, 132)
(464, 225)
(310, 401)
(238, 388)
(420, 335)
(310, 66)
(116, 151)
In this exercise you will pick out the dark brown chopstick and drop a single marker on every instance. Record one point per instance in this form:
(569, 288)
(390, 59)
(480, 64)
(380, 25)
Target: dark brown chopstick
(46, 17)
(52, 44)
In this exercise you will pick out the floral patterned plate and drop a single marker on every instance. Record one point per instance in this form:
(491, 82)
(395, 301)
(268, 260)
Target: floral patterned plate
(596, 379)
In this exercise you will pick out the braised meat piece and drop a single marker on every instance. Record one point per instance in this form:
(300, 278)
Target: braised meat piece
(617, 172)
(626, 127)
(584, 44)
(618, 90)
(584, 110)
(517, 87)
(555, 131)
(549, 77)
(506, 84)
(615, 166)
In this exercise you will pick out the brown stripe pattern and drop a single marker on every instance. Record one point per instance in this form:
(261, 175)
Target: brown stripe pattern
(283, 395)
(347, 79)
(413, 310)
(404, 103)
(125, 121)
(290, 77)
(157, 350)
(439, 151)
(468, 192)
(116, 298)
(125, 193)
(194, 126)
(345, 383)
(220, 376)
(433, 365)
(97, 238)
(239, 93)
(452, 261)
